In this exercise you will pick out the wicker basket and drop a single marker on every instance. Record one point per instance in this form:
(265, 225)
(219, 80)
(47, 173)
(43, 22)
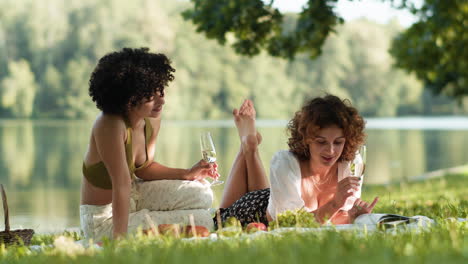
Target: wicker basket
(10, 237)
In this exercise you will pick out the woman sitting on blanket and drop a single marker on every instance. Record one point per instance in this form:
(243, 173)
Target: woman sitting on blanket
(324, 136)
(128, 87)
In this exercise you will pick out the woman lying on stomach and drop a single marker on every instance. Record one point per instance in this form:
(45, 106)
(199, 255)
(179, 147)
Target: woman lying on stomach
(312, 174)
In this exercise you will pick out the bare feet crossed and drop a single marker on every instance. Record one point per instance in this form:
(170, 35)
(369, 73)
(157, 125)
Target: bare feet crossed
(244, 117)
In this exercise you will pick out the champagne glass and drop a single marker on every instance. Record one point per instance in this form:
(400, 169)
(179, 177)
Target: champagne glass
(356, 169)
(208, 152)
(363, 151)
(358, 165)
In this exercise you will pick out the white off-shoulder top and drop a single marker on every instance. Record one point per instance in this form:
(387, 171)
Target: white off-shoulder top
(285, 181)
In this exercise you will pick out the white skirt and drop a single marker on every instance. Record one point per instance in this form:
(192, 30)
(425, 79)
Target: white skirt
(153, 203)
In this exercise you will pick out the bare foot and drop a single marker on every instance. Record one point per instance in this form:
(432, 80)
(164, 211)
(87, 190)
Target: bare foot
(245, 123)
(259, 138)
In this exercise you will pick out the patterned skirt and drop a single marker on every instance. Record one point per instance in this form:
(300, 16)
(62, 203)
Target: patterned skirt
(249, 208)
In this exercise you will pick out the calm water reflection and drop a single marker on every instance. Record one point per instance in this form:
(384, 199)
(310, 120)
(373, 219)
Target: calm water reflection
(40, 162)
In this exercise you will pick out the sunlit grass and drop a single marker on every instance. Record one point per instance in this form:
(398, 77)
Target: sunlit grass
(436, 198)
(440, 199)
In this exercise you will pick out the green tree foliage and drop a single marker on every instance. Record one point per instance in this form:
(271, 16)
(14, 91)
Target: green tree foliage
(18, 89)
(434, 48)
(256, 25)
(49, 48)
(75, 99)
(50, 91)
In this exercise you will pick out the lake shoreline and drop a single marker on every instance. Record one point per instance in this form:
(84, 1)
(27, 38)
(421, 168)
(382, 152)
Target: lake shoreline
(372, 123)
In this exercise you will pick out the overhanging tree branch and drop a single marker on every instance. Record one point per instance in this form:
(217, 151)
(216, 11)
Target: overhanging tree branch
(434, 48)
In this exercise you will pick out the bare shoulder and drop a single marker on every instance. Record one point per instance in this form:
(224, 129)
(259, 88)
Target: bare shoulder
(112, 124)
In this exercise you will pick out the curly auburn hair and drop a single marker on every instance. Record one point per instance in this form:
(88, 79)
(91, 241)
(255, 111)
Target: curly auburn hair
(122, 79)
(322, 112)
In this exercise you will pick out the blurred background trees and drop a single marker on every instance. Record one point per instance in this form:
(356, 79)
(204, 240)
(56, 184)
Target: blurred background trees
(49, 48)
(434, 47)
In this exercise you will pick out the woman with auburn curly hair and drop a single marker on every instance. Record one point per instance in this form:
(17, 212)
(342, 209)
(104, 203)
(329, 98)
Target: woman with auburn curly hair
(324, 137)
(128, 87)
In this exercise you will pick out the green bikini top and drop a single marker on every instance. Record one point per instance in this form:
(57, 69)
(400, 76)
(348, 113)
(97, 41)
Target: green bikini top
(97, 173)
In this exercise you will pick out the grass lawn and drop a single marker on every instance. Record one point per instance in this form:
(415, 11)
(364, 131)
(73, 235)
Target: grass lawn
(439, 199)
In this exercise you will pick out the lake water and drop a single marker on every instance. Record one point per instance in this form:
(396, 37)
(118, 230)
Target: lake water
(40, 161)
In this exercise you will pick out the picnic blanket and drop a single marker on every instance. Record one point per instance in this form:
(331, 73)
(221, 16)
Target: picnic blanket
(363, 225)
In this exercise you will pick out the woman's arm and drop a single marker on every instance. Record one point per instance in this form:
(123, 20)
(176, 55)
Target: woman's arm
(360, 207)
(331, 210)
(157, 171)
(341, 217)
(327, 211)
(109, 134)
(285, 184)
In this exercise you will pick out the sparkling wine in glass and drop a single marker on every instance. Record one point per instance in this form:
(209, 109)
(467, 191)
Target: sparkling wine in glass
(363, 152)
(208, 152)
(356, 169)
(358, 166)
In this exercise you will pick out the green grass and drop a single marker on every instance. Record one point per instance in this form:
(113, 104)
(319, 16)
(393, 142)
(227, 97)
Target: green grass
(439, 199)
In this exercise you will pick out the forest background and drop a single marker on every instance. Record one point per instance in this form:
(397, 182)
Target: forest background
(49, 48)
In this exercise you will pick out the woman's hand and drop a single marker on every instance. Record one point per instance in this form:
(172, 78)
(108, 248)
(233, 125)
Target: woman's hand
(346, 188)
(201, 170)
(361, 207)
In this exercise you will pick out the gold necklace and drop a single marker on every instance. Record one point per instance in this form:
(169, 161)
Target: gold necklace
(319, 183)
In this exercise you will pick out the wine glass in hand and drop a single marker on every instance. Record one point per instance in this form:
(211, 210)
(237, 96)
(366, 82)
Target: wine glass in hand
(208, 152)
(358, 165)
(356, 169)
(363, 151)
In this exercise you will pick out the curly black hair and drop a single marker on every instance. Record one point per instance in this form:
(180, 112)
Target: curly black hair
(322, 112)
(122, 79)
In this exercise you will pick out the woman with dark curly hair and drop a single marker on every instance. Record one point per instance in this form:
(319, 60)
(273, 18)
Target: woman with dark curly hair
(128, 87)
(312, 174)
